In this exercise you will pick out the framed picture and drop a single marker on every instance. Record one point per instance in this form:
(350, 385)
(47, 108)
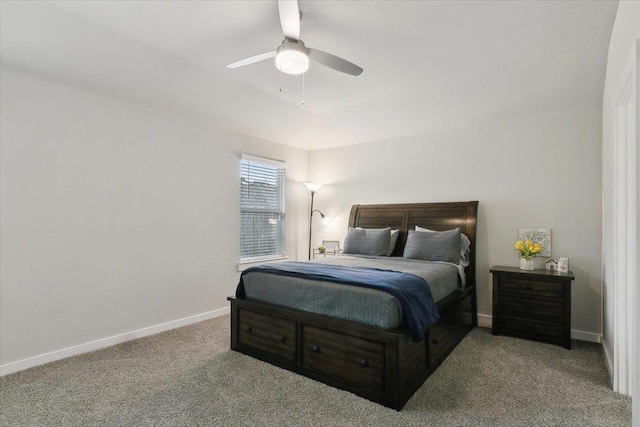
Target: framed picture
(537, 235)
(563, 265)
(331, 245)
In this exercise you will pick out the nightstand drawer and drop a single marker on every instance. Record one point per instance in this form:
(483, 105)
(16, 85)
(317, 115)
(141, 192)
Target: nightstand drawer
(530, 287)
(519, 306)
(526, 327)
(267, 334)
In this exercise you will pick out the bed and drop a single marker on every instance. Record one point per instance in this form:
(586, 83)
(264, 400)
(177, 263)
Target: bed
(380, 362)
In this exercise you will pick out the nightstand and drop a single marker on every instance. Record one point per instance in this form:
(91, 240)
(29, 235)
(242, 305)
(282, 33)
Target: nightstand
(318, 255)
(533, 304)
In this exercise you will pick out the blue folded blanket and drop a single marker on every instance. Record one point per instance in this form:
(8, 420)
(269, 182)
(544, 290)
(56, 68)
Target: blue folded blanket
(412, 292)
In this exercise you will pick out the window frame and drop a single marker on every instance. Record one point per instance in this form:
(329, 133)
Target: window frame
(262, 164)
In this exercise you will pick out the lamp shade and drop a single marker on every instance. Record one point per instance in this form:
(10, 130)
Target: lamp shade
(313, 186)
(292, 57)
(292, 62)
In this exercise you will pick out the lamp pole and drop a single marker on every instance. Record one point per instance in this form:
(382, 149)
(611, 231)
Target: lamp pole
(310, 223)
(312, 187)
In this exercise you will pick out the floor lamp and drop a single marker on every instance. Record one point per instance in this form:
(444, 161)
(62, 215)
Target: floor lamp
(313, 187)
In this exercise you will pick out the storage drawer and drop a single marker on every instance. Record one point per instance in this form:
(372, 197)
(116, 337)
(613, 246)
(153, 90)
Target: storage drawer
(526, 327)
(520, 306)
(530, 287)
(441, 339)
(446, 333)
(442, 336)
(267, 333)
(353, 359)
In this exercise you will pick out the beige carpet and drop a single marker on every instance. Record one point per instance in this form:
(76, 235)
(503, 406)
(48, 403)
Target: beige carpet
(189, 377)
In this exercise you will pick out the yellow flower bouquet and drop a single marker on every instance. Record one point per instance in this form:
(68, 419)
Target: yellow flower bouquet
(528, 248)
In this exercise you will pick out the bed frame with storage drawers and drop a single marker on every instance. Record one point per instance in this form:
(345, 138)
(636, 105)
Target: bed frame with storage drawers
(382, 365)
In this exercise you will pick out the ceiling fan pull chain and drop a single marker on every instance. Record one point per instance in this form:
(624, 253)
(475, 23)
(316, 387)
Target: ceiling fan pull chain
(280, 81)
(303, 88)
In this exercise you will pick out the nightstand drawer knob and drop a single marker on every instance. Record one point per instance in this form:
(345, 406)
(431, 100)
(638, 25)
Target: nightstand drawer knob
(315, 349)
(364, 363)
(248, 328)
(435, 341)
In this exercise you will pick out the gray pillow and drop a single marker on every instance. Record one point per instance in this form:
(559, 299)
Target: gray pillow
(393, 241)
(436, 246)
(367, 242)
(465, 244)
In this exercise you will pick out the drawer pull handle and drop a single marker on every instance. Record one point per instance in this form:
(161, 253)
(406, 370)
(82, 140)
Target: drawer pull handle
(452, 327)
(248, 328)
(280, 338)
(434, 341)
(528, 287)
(364, 363)
(315, 349)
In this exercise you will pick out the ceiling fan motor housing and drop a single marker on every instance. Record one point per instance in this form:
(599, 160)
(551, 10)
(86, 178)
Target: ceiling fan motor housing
(292, 57)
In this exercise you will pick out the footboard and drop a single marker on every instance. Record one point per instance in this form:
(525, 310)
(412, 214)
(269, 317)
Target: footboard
(382, 365)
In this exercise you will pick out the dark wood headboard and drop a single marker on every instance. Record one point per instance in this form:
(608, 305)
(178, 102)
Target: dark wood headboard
(435, 216)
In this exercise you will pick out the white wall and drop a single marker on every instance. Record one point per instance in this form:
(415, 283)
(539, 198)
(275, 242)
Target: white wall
(116, 217)
(536, 171)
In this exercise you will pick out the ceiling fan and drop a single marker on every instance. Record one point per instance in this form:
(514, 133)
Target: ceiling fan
(292, 56)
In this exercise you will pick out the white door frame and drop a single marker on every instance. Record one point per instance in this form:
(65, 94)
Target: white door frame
(625, 234)
(636, 356)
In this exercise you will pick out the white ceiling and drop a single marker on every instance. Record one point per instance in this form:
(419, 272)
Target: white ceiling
(428, 65)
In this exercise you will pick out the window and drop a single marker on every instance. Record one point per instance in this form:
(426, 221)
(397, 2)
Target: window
(262, 200)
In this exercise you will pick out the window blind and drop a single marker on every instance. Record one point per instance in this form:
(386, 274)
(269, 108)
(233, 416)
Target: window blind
(262, 208)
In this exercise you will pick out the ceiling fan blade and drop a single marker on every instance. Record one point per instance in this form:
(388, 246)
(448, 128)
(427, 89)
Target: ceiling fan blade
(335, 62)
(252, 60)
(289, 18)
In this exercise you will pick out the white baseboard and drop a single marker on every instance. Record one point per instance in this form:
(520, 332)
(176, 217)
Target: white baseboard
(485, 321)
(609, 362)
(9, 368)
(585, 336)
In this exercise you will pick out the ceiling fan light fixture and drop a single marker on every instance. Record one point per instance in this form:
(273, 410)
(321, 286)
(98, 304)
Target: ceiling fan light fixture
(292, 57)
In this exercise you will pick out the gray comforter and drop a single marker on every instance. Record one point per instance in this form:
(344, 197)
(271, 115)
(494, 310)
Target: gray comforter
(363, 305)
